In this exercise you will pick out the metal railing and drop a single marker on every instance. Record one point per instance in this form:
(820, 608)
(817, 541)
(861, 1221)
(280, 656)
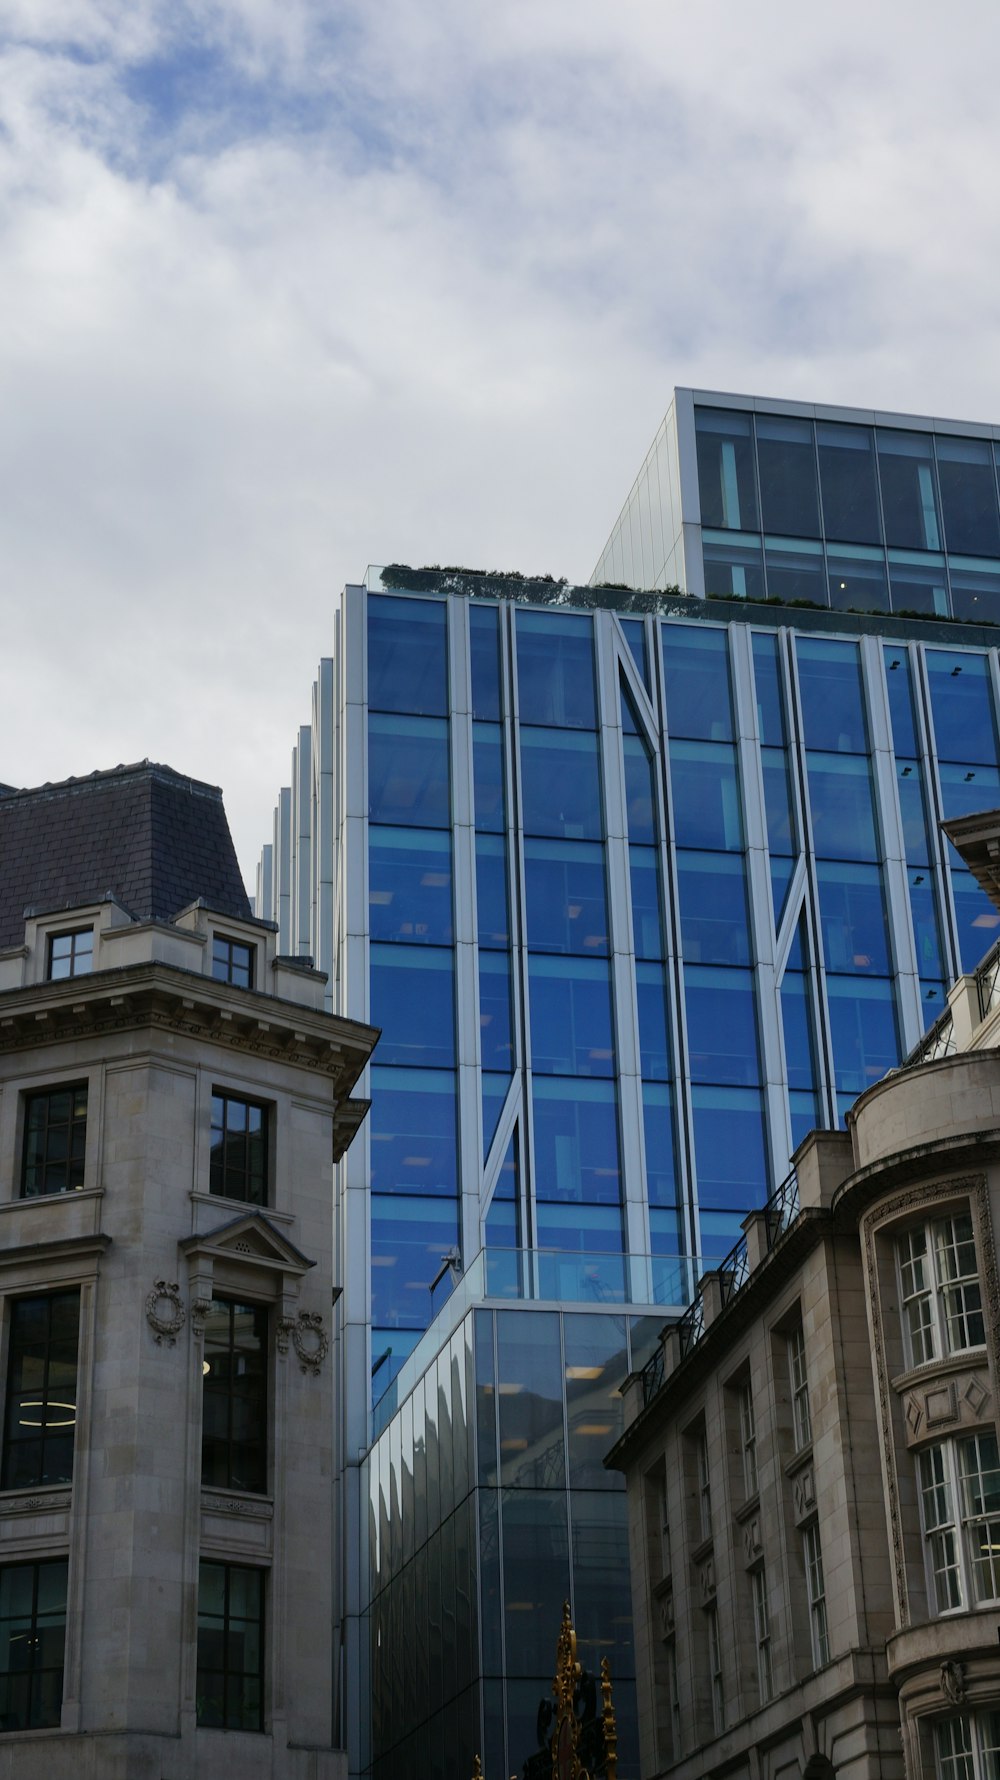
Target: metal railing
(988, 982)
(782, 1208)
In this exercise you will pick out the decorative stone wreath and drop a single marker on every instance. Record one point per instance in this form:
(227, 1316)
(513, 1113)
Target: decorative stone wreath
(166, 1323)
(308, 1337)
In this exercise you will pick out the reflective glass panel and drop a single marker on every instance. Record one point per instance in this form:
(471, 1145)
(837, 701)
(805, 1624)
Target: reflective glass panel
(661, 1157)
(977, 920)
(797, 1024)
(864, 1032)
(795, 571)
(721, 1025)
(484, 650)
(719, 1232)
(407, 655)
(734, 567)
(833, 713)
(725, 469)
(975, 590)
(409, 885)
(595, 1367)
(647, 921)
(962, 706)
(968, 496)
(967, 790)
(635, 637)
(917, 583)
(555, 669)
(560, 784)
(782, 872)
(847, 479)
(730, 1150)
(856, 579)
(654, 1039)
(495, 1032)
(412, 1126)
(852, 918)
(696, 676)
(409, 1236)
(769, 687)
(778, 807)
(805, 1113)
(926, 928)
(711, 890)
(492, 919)
(909, 497)
(494, 1096)
(529, 1380)
(900, 689)
(706, 796)
(640, 791)
(488, 777)
(535, 1578)
(916, 838)
(408, 771)
(786, 460)
(588, 1230)
(840, 797)
(413, 1000)
(576, 1140)
(565, 900)
(600, 1556)
(570, 1010)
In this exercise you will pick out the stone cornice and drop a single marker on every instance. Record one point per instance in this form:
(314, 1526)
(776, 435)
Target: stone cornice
(167, 998)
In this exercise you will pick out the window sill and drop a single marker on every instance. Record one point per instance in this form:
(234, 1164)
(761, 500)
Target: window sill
(747, 1509)
(237, 1502)
(244, 1206)
(802, 1456)
(42, 1498)
(959, 1361)
(702, 1550)
(72, 1195)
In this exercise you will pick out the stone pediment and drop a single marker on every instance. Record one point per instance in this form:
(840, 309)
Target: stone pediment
(251, 1239)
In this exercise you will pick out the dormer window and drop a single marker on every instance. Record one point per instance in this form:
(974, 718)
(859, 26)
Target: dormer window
(71, 954)
(232, 961)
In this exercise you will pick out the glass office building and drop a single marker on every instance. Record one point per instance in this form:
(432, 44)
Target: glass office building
(640, 888)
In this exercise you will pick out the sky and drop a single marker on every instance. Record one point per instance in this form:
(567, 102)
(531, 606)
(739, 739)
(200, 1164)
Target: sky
(287, 288)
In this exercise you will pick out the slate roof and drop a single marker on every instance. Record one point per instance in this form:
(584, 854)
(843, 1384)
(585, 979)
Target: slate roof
(154, 839)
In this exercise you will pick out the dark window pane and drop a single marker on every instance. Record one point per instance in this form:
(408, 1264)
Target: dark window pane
(778, 807)
(640, 792)
(234, 1397)
(856, 578)
(909, 500)
(962, 706)
(847, 478)
(407, 655)
(706, 795)
(566, 904)
(805, 1113)
(654, 1036)
(721, 1025)
(560, 784)
(230, 1684)
(529, 1378)
(852, 918)
(570, 1008)
(863, 1029)
(647, 919)
(409, 885)
(661, 1145)
(795, 571)
(489, 800)
(232, 962)
(975, 917)
(734, 567)
(71, 954)
(781, 872)
(601, 1618)
(535, 1583)
(484, 649)
(770, 690)
(730, 1151)
(40, 1419)
(408, 771)
(975, 590)
(968, 496)
(926, 926)
(555, 669)
(573, 1229)
(786, 459)
(32, 1638)
(711, 890)
(696, 677)
(900, 688)
(576, 1140)
(55, 1139)
(840, 798)
(912, 809)
(725, 469)
(494, 1095)
(409, 1236)
(833, 709)
(238, 1154)
(596, 1364)
(797, 1024)
(495, 1032)
(492, 910)
(412, 1124)
(635, 637)
(966, 790)
(918, 583)
(413, 1000)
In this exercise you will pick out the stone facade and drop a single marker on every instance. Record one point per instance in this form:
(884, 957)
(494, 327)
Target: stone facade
(150, 1567)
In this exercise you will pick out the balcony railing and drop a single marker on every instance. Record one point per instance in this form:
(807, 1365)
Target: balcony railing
(988, 982)
(782, 1208)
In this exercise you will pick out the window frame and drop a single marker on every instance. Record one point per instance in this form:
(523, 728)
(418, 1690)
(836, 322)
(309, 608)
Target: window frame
(10, 1447)
(34, 1669)
(942, 1482)
(260, 1449)
(798, 1383)
(762, 1634)
(75, 969)
(715, 1668)
(228, 963)
(748, 1438)
(72, 1165)
(929, 1311)
(260, 1573)
(812, 1559)
(220, 1168)
(977, 1759)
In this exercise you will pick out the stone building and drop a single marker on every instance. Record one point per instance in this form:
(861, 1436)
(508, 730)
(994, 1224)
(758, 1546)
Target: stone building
(172, 1096)
(811, 1454)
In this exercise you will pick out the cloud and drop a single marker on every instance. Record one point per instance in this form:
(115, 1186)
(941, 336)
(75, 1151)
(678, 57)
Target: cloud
(288, 288)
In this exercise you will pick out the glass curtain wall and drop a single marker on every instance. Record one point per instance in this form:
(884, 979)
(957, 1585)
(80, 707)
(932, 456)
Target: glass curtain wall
(963, 714)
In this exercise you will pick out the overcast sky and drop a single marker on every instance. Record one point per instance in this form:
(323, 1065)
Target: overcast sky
(291, 287)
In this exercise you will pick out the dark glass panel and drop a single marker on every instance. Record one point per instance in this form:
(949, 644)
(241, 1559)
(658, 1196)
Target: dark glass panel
(654, 1038)
(833, 712)
(770, 690)
(555, 669)
(495, 1031)
(975, 590)
(484, 652)
(55, 1142)
(596, 1364)
(975, 917)
(968, 496)
(576, 1140)
(407, 655)
(847, 478)
(40, 1421)
(706, 795)
(234, 1397)
(912, 810)
(795, 571)
(409, 1236)
(840, 797)
(806, 1117)
(863, 1029)
(238, 1154)
(901, 712)
(725, 469)
(488, 797)
(673, 1274)
(492, 912)
(909, 498)
(408, 771)
(640, 792)
(570, 1010)
(966, 790)
(529, 1382)
(852, 918)
(573, 1230)
(647, 918)
(721, 1025)
(602, 1617)
(856, 579)
(502, 1218)
(962, 706)
(413, 1000)
(412, 1125)
(635, 637)
(932, 999)
(778, 807)
(696, 677)
(926, 926)
(799, 951)
(711, 891)
(409, 885)
(797, 1024)
(786, 459)
(561, 784)
(918, 583)
(782, 872)
(730, 1151)
(494, 1095)
(661, 1149)
(565, 899)
(734, 567)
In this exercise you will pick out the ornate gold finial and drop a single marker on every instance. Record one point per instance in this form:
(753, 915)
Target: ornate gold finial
(610, 1723)
(477, 1772)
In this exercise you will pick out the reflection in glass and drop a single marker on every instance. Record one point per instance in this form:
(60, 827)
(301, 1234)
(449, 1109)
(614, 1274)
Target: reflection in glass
(576, 1140)
(795, 570)
(962, 706)
(797, 1025)
(412, 1126)
(852, 918)
(560, 784)
(730, 1150)
(856, 579)
(595, 1366)
(409, 1236)
(769, 687)
(706, 795)
(661, 1154)
(926, 926)
(900, 689)
(918, 583)
(909, 501)
(975, 589)
(786, 460)
(407, 655)
(805, 1115)
(601, 1616)
(863, 1029)
(847, 478)
(409, 885)
(840, 798)
(536, 1581)
(968, 496)
(711, 891)
(495, 1034)
(733, 566)
(778, 806)
(408, 771)
(492, 917)
(965, 790)
(721, 1025)
(782, 873)
(696, 679)
(413, 1000)
(635, 637)
(725, 469)
(586, 1237)
(529, 1383)
(565, 900)
(654, 1041)
(484, 651)
(912, 810)
(488, 778)
(640, 791)
(570, 1009)
(976, 919)
(555, 669)
(833, 709)
(647, 919)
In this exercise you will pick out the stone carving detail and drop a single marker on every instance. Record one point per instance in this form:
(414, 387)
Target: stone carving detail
(666, 1606)
(953, 1682)
(976, 1395)
(307, 1336)
(804, 1493)
(752, 1544)
(165, 1312)
(706, 1578)
(914, 1414)
(940, 1404)
(199, 1311)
